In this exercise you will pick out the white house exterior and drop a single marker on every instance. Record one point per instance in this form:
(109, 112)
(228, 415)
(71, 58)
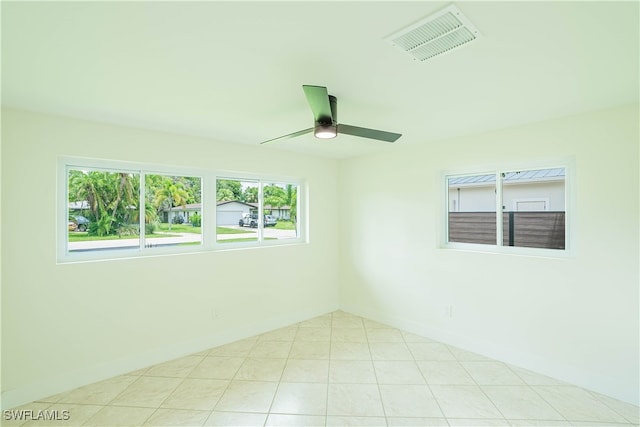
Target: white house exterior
(536, 190)
(230, 212)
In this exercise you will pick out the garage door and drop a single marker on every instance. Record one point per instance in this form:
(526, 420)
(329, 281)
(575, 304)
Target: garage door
(228, 217)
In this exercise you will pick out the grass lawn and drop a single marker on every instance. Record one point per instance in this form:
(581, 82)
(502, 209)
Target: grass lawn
(285, 225)
(83, 236)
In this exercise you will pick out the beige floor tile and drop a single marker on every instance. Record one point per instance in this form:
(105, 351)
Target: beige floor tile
(347, 322)
(532, 378)
(100, 393)
(271, 349)
(430, 351)
(576, 404)
(239, 419)
(398, 372)
(219, 368)
(67, 415)
(178, 368)
(372, 324)
(492, 373)
(352, 372)
(540, 423)
(384, 335)
(474, 422)
(283, 334)
(317, 322)
(350, 351)
(466, 356)
(301, 399)
(409, 337)
(342, 421)
(348, 335)
(234, 349)
(310, 350)
(464, 402)
(247, 396)
(147, 392)
(389, 351)
(409, 401)
(24, 413)
(445, 373)
(354, 400)
(417, 422)
(112, 416)
(313, 334)
(254, 369)
(521, 403)
(630, 412)
(299, 370)
(277, 420)
(177, 417)
(196, 394)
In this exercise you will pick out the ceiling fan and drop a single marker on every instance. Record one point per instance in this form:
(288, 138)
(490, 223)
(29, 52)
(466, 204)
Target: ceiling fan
(325, 115)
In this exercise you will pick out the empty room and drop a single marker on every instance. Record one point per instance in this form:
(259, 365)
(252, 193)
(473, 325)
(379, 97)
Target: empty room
(367, 213)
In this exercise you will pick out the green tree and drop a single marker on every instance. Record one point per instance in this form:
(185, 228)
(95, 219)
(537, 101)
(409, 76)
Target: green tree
(224, 195)
(170, 195)
(112, 198)
(274, 195)
(235, 187)
(250, 195)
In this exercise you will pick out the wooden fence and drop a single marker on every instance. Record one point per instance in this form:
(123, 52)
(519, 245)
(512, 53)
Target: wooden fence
(526, 229)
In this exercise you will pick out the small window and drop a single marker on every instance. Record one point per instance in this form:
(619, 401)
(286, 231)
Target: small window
(513, 208)
(255, 211)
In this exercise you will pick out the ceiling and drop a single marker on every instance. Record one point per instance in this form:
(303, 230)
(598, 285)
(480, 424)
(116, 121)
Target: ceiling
(233, 71)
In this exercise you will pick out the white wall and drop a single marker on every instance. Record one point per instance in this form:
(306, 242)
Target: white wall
(68, 325)
(574, 318)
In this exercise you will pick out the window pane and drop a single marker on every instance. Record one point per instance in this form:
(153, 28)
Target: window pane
(472, 209)
(280, 211)
(173, 211)
(534, 208)
(103, 210)
(236, 211)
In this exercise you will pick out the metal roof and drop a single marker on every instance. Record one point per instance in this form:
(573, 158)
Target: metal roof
(524, 176)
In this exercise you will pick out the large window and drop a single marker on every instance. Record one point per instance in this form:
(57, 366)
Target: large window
(117, 209)
(510, 208)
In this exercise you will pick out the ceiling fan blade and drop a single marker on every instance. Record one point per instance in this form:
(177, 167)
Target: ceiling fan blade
(369, 133)
(318, 99)
(291, 135)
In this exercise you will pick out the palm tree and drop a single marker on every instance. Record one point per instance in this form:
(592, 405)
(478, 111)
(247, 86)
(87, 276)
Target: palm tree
(171, 194)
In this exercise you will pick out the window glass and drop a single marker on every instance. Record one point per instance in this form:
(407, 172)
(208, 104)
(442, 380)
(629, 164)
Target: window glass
(173, 210)
(534, 208)
(472, 209)
(280, 211)
(237, 210)
(103, 210)
(532, 215)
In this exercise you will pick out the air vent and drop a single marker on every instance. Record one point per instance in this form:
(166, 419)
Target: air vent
(439, 33)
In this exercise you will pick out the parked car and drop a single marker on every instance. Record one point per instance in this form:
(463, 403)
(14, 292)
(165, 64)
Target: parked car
(270, 221)
(80, 222)
(248, 220)
(251, 220)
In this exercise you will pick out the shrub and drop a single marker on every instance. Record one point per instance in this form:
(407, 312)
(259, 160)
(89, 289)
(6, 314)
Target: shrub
(150, 228)
(196, 220)
(178, 219)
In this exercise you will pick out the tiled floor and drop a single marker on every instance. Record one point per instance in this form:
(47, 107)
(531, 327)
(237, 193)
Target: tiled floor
(334, 370)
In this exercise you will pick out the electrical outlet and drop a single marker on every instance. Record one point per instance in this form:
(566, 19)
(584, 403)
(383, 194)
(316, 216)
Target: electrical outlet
(214, 314)
(448, 311)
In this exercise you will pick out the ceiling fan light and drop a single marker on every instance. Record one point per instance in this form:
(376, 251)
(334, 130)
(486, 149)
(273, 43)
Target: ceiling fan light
(325, 131)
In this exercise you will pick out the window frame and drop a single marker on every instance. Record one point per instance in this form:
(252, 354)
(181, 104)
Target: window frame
(208, 199)
(264, 179)
(567, 164)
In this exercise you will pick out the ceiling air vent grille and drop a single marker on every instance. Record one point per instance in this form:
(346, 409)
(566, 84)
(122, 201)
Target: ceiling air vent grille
(439, 33)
